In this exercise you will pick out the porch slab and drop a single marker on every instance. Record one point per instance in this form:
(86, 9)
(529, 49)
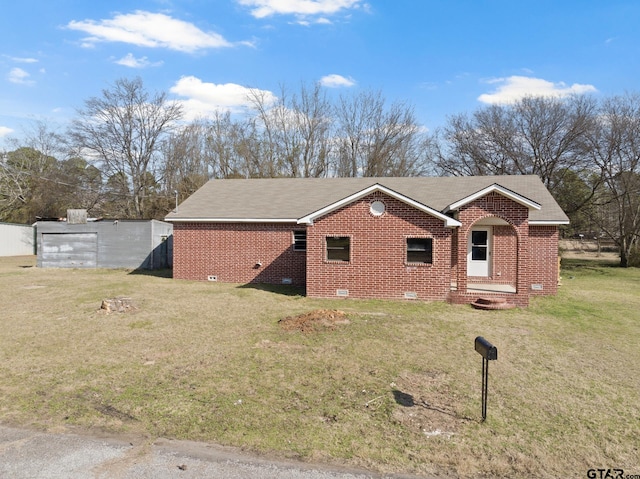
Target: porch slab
(486, 288)
(491, 288)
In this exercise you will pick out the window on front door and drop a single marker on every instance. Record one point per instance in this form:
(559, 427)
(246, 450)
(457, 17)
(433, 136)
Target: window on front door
(479, 245)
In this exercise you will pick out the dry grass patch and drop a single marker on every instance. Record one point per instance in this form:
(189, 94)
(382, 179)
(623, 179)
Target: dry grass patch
(430, 405)
(314, 321)
(394, 389)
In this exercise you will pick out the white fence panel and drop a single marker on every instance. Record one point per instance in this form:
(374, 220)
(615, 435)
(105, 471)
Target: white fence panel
(16, 240)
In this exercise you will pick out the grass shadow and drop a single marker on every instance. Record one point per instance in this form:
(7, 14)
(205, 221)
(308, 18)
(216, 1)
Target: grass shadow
(403, 399)
(284, 290)
(157, 273)
(407, 400)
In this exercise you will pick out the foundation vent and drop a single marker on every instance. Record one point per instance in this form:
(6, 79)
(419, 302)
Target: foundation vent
(342, 292)
(212, 277)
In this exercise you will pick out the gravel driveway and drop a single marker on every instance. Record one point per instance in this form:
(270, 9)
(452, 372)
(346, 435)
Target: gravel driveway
(26, 454)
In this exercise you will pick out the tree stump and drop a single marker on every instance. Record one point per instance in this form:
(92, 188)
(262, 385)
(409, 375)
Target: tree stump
(118, 305)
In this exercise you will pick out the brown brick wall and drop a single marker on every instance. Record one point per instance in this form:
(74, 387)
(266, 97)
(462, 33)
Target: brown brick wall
(231, 252)
(544, 259)
(504, 267)
(378, 267)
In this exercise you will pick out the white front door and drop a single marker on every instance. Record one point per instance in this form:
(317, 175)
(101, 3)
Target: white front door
(479, 252)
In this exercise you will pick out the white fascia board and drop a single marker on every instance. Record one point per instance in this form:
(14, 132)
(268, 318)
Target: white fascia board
(448, 221)
(231, 220)
(548, 222)
(495, 188)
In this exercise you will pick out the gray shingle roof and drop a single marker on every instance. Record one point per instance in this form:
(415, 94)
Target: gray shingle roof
(282, 199)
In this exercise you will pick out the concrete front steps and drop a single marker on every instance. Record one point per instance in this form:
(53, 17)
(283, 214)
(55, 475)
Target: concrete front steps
(492, 303)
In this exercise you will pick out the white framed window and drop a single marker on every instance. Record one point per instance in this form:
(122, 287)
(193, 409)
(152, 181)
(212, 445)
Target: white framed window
(338, 248)
(420, 250)
(300, 240)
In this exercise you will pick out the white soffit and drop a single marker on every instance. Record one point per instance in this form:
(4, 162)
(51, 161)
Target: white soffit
(532, 205)
(231, 220)
(448, 221)
(548, 222)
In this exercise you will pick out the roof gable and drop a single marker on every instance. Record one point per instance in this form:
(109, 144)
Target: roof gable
(448, 221)
(532, 205)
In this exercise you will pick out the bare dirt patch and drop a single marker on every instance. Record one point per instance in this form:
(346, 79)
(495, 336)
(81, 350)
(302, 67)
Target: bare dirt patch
(315, 321)
(429, 406)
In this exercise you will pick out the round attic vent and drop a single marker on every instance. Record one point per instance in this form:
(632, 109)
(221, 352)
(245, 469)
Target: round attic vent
(377, 208)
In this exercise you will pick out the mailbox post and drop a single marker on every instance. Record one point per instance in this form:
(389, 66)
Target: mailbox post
(489, 353)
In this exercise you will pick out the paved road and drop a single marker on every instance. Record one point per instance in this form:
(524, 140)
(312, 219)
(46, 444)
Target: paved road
(26, 454)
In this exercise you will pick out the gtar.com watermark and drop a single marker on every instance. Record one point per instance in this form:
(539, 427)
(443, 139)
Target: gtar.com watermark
(610, 473)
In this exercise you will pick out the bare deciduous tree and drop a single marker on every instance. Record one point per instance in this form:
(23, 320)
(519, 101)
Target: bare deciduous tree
(121, 132)
(535, 136)
(373, 140)
(615, 150)
(228, 147)
(292, 134)
(300, 135)
(310, 154)
(186, 165)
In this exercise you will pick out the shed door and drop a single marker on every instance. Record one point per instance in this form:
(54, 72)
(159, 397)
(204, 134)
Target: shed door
(479, 252)
(69, 250)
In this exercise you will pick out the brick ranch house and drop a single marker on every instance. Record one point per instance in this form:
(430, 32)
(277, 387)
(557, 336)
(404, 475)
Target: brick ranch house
(448, 239)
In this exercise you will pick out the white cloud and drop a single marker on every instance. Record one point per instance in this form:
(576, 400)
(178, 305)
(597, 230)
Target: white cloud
(19, 76)
(146, 29)
(21, 59)
(4, 131)
(203, 99)
(301, 8)
(336, 81)
(514, 88)
(132, 62)
(432, 86)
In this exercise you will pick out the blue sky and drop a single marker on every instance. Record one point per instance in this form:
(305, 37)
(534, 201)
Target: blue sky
(443, 57)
